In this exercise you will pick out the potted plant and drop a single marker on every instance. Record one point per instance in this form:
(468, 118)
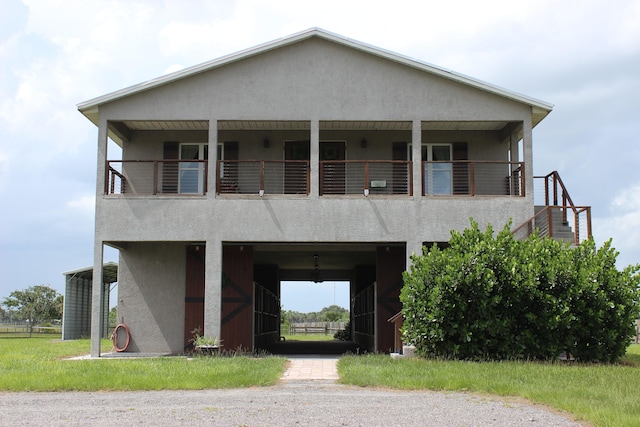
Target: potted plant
(205, 344)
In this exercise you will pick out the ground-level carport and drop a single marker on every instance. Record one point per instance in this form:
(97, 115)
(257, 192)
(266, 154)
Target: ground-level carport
(374, 271)
(76, 318)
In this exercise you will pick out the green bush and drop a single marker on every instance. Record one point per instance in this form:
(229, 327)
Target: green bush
(344, 334)
(486, 297)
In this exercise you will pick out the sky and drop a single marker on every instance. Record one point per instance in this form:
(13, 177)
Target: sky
(582, 56)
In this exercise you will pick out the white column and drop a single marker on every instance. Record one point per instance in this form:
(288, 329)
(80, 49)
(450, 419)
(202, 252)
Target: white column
(213, 289)
(314, 153)
(416, 156)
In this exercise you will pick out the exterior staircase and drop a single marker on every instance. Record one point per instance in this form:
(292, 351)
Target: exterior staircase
(557, 217)
(554, 219)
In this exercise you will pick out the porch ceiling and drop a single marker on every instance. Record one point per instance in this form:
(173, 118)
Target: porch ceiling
(301, 256)
(297, 261)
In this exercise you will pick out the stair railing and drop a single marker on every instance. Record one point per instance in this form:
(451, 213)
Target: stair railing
(554, 191)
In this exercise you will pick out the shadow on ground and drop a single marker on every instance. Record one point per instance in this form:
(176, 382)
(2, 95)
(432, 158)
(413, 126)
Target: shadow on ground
(314, 347)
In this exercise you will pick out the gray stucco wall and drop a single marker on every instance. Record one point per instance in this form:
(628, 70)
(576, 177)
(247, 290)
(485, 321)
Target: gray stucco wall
(315, 79)
(151, 290)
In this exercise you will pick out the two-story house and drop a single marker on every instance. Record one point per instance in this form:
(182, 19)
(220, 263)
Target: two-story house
(313, 157)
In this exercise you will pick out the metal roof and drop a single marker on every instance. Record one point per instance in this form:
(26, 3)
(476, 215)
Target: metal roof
(109, 272)
(540, 109)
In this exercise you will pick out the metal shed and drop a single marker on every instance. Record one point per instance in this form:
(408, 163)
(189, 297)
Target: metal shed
(76, 318)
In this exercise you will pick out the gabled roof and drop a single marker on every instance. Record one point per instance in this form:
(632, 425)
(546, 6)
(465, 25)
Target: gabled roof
(540, 109)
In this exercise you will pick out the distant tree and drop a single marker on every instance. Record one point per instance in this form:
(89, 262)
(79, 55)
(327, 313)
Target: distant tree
(334, 313)
(3, 314)
(113, 317)
(36, 304)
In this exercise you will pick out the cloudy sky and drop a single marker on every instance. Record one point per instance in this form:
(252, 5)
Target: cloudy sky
(582, 56)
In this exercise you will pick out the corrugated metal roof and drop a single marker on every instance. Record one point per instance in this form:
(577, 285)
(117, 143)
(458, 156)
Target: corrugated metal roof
(109, 272)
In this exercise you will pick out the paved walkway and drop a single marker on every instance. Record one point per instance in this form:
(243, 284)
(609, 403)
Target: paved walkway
(311, 367)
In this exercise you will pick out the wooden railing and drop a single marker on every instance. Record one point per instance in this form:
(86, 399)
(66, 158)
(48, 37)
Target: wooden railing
(346, 177)
(473, 178)
(263, 177)
(366, 177)
(151, 177)
(558, 215)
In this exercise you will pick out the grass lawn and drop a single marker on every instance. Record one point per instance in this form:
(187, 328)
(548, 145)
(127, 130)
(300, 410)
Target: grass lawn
(605, 395)
(38, 364)
(309, 337)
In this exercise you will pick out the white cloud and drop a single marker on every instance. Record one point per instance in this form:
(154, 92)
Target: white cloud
(173, 68)
(622, 225)
(84, 204)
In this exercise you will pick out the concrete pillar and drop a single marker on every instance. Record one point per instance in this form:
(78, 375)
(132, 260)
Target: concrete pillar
(98, 244)
(212, 174)
(96, 299)
(314, 153)
(527, 157)
(416, 156)
(213, 289)
(413, 248)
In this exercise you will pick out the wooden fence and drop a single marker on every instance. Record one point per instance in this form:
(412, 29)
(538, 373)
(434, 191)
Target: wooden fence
(326, 328)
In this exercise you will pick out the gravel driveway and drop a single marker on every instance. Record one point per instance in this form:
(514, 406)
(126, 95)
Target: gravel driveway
(293, 403)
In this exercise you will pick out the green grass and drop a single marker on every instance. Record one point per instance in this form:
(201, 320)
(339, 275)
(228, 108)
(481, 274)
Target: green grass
(309, 337)
(40, 364)
(605, 395)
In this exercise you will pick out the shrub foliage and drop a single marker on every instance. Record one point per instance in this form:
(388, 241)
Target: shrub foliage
(494, 297)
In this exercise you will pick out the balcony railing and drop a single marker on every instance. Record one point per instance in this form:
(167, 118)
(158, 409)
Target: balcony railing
(473, 178)
(366, 177)
(336, 177)
(151, 177)
(263, 177)
(346, 177)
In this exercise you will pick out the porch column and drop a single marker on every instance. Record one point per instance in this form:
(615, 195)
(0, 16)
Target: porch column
(314, 159)
(98, 244)
(527, 158)
(414, 247)
(213, 288)
(212, 176)
(97, 298)
(416, 157)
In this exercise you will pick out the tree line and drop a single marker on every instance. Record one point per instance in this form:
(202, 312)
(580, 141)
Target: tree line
(332, 313)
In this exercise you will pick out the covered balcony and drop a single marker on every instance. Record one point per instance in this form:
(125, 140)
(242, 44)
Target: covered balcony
(371, 158)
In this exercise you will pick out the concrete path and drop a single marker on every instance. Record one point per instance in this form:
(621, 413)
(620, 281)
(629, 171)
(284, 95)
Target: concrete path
(311, 367)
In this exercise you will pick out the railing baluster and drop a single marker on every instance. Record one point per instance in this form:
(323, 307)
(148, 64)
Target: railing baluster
(155, 178)
(366, 178)
(261, 177)
(472, 183)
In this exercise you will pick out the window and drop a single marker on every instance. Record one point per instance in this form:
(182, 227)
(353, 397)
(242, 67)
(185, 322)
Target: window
(438, 169)
(191, 177)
